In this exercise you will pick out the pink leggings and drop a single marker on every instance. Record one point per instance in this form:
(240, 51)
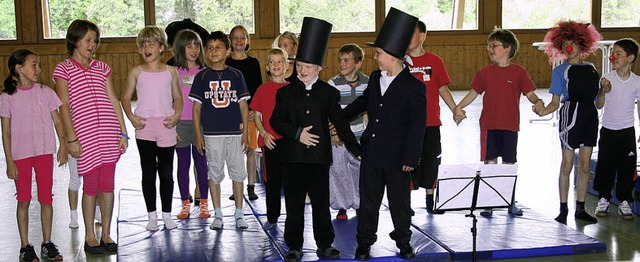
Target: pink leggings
(100, 179)
(43, 165)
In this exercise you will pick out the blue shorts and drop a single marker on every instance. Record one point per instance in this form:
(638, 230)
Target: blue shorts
(501, 143)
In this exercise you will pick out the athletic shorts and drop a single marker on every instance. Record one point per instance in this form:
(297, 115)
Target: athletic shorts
(501, 143)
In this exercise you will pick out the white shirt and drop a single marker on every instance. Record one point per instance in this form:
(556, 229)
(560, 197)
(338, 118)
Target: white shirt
(620, 102)
(385, 81)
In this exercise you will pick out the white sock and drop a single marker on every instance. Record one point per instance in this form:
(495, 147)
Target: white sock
(98, 214)
(74, 214)
(239, 213)
(152, 225)
(217, 212)
(168, 221)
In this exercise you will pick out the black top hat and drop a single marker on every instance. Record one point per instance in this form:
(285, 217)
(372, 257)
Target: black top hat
(314, 39)
(174, 27)
(396, 32)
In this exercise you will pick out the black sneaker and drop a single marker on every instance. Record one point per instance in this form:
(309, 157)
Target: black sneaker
(28, 254)
(251, 192)
(50, 251)
(583, 215)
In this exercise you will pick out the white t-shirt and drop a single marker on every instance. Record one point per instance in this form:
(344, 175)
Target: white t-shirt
(620, 102)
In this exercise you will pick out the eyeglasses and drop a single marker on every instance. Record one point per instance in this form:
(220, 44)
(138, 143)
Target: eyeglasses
(492, 46)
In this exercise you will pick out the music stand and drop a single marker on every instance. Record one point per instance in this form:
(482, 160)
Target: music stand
(492, 186)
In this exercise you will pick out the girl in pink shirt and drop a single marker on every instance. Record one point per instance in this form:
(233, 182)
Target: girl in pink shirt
(29, 111)
(157, 113)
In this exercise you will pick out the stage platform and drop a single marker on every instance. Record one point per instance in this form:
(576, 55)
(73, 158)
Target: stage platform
(435, 237)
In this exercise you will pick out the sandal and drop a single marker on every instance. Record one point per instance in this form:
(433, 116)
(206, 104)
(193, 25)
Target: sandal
(293, 255)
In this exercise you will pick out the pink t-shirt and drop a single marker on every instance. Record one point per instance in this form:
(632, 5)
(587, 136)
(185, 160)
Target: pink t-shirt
(185, 79)
(154, 94)
(264, 102)
(29, 110)
(503, 87)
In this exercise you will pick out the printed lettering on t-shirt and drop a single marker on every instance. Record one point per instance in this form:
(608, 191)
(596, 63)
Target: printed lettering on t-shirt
(425, 71)
(221, 94)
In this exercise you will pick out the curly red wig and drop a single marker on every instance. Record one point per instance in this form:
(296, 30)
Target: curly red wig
(584, 35)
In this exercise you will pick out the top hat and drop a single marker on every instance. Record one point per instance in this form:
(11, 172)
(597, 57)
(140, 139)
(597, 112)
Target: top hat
(174, 27)
(396, 32)
(314, 39)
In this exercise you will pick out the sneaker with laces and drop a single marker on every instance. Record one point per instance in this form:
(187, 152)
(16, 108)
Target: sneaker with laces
(486, 212)
(185, 211)
(624, 210)
(28, 254)
(50, 251)
(217, 223)
(342, 215)
(602, 209)
(204, 209)
(241, 224)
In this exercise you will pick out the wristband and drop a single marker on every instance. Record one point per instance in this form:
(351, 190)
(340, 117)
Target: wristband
(72, 141)
(124, 135)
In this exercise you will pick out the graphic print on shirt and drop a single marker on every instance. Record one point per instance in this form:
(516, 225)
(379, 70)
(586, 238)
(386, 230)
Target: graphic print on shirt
(424, 70)
(221, 94)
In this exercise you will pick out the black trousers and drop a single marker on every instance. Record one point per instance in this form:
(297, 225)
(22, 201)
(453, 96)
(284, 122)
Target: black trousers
(299, 180)
(426, 173)
(372, 184)
(617, 156)
(274, 171)
(156, 159)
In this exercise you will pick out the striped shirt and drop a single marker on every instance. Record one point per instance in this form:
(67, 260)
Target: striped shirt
(93, 116)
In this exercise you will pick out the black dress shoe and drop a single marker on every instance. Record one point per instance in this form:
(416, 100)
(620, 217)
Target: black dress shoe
(362, 253)
(109, 247)
(97, 250)
(406, 251)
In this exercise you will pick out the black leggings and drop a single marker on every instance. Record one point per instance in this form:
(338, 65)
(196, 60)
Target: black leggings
(152, 159)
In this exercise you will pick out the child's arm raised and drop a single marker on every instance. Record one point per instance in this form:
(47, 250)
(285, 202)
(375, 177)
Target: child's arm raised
(12, 170)
(178, 103)
(132, 79)
(73, 145)
(62, 138)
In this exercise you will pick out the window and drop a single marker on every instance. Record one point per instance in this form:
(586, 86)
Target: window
(543, 14)
(213, 15)
(345, 16)
(114, 18)
(620, 13)
(441, 14)
(8, 20)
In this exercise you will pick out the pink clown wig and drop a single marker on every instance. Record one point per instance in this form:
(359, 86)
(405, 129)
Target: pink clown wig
(583, 34)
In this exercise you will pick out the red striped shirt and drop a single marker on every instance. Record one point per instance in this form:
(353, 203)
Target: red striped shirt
(93, 116)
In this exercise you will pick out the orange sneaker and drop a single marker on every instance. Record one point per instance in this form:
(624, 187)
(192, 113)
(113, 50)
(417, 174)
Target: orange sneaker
(186, 211)
(204, 208)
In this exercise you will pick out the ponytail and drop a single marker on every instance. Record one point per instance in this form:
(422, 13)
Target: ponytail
(18, 57)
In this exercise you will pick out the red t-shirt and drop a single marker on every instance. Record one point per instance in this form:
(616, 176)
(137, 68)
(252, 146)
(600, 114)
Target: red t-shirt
(430, 69)
(264, 102)
(501, 102)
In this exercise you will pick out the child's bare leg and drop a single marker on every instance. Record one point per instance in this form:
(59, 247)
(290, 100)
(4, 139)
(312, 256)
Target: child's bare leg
(237, 193)
(46, 219)
(106, 210)
(22, 215)
(88, 215)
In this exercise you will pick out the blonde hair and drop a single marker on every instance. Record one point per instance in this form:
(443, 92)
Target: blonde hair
(287, 34)
(276, 51)
(152, 33)
(246, 34)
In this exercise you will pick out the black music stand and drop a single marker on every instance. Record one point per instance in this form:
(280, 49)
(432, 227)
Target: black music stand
(492, 186)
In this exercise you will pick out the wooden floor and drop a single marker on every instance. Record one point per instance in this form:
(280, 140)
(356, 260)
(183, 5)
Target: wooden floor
(537, 189)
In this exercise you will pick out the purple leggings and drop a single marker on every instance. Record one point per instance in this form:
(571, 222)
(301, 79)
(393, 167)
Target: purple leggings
(184, 163)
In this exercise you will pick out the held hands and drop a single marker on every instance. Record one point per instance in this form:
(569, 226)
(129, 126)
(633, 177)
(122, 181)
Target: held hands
(62, 155)
(605, 86)
(137, 121)
(171, 121)
(539, 108)
(75, 149)
(458, 116)
(407, 168)
(307, 138)
(335, 140)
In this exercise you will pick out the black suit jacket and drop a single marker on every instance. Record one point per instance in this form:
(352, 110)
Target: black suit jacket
(397, 121)
(297, 108)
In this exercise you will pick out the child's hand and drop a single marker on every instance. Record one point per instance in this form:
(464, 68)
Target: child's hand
(63, 155)
(605, 85)
(335, 141)
(244, 140)
(171, 121)
(268, 141)
(12, 171)
(307, 138)
(252, 115)
(200, 144)
(124, 144)
(137, 122)
(538, 107)
(459, 115)
(75, 149)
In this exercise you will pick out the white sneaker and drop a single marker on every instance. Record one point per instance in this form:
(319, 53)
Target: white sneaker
(602, 209)
(241, 224)
(217, 223)
(624, 210)
(152, 225)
